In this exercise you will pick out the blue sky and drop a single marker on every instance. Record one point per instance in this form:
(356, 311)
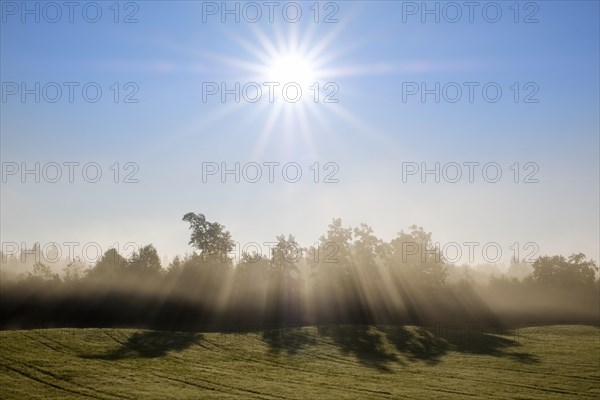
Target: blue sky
(170, 52)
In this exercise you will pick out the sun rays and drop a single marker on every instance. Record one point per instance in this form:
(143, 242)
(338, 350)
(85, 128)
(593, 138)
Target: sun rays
(289, 87)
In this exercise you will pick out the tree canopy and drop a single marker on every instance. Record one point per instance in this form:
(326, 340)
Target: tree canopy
(210, 238)
(560, 272)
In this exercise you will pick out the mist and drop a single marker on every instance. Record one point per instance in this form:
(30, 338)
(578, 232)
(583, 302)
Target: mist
(351, 276)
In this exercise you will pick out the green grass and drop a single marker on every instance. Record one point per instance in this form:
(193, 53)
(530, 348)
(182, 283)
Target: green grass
(334, 362)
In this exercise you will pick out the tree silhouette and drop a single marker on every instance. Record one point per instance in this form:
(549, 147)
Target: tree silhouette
(74, 270)
(210, 238)
(414, 257)
(146, 262)
(283, 277)
(558, 272)
(349, 276)
(111, 266)
(43, 272)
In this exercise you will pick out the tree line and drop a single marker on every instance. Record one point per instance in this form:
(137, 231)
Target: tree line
(349, 276)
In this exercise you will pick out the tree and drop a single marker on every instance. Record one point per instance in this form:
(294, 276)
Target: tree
(252, 271)
(210, 238)
(283, 279)
(335, 285)
(42, 271)
(558, 272)
(145, 262)
(367, 251)
(417, 269)
(415, 258)
(284, 257)
(175, 268)
(250, 287)
(74, 270)
(110, 266)
(332, 259)
(367, 248)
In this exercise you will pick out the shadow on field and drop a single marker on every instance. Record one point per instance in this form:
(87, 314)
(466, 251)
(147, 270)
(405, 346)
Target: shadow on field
(149, 344)
(368, 344)
(430, 345)
(377, 347)
(290, 341)
(364, 343)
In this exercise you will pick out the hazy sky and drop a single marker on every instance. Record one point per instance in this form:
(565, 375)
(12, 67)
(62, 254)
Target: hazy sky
(375, 54)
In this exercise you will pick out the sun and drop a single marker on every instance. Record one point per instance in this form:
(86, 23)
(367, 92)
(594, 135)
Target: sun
(289, 81)
(291, 68)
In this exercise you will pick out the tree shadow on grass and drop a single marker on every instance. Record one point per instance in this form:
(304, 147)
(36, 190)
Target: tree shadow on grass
(431, 344)
(149, 344)
(422, 345)
(288, 340)
(362, 341)
(427, 344)
(366, 343)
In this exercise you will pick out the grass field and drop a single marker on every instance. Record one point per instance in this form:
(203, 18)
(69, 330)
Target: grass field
(331, 362)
